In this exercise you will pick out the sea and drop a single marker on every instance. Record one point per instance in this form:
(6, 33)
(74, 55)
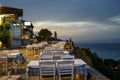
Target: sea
(103, 50)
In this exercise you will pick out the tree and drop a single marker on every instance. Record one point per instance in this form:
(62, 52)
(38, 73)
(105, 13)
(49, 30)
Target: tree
(55, 35)
(4, 34)
(5, 26)
(45, 34)
(5, 37)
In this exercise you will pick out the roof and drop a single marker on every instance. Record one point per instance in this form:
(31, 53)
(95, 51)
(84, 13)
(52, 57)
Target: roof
(10, 10)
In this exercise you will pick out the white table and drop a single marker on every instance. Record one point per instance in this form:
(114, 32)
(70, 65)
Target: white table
(33, 67)
(13, 55)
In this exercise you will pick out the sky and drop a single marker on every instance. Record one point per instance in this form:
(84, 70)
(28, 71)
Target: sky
(80, 20)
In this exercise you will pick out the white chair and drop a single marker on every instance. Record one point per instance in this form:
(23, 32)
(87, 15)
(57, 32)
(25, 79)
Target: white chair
(46, 57)
(58, 52)
(4, 60)
(47, 69)
(57, 56)
(50, 52)
(66, 68)
(67, 57)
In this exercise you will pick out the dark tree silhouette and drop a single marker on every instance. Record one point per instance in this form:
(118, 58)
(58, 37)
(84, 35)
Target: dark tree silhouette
(45, 34)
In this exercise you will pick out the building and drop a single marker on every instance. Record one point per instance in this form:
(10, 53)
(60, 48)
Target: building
(27, 32)
(21, 31)
(16, 33)
(9, 14)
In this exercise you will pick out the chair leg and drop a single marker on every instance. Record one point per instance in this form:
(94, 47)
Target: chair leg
(59, 77)
(6, 68)
(3, 68)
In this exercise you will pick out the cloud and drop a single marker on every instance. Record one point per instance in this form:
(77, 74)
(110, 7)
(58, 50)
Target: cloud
(116, 19)
(80, 30)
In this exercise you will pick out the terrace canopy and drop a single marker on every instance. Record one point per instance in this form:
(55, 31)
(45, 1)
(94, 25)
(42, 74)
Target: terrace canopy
(10, 10)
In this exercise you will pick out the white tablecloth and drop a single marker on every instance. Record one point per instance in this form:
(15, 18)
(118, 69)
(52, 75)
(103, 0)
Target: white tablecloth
(35, 63)
(13, 55)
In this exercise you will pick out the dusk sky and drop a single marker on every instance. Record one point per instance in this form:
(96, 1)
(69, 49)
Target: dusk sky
(81, 20)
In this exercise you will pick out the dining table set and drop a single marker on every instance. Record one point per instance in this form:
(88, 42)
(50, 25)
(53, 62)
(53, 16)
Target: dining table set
(34, 67)
(10, 56)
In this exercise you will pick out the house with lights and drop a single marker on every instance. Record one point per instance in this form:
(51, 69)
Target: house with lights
(21, 31)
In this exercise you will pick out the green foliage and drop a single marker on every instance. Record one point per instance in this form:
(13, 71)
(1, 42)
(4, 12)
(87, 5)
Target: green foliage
(1, 27)
(81, 53)
(4, 34)
(6, 25)
(5, 37)
(45, 34)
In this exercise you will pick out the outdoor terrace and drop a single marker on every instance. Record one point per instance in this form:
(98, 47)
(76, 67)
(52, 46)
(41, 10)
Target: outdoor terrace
(30, 69)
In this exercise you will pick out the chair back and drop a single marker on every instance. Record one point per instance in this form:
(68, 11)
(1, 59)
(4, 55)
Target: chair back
(46, 57)
(57, 56)
(47, 68)
(4, 60)
(48, 52)
(14, 51)
(67, 57)
(65, 67)
(3, 57)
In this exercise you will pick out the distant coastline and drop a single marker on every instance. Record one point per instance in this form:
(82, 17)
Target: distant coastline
(103, 50)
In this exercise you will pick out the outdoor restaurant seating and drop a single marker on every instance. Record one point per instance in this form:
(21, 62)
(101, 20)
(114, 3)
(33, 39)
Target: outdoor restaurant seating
(58, 63)
(9, 59)
(47, 69)
(32, 70)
